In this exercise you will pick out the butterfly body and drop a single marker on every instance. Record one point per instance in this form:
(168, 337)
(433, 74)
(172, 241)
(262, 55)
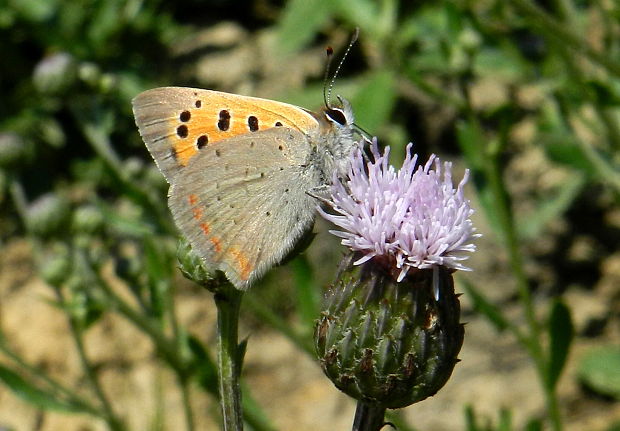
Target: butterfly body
(241, 171)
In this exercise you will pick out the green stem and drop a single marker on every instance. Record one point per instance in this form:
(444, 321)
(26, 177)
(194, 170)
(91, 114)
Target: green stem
(166, 347)
(187, 403)
(70, 396)
(229, 355)
(183, 376)
(368, 417)
(113, 421)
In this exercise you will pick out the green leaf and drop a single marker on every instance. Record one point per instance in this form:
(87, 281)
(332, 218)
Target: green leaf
(505, 64)
(474, 145)
(34, 10)
(308, 297)
(125, 225)
(505, 420)
(562, 149)
(551, 208)
(599, 369)
(470, 419)
(486, 308)
(604, 92)
(561, 334)
(242, 347)
(159, 273)
(614, 427)
(533, 425)
(374, 101)
(33, 395)
(300, 21)
(204, 366)
(365, 14)
(158, 258)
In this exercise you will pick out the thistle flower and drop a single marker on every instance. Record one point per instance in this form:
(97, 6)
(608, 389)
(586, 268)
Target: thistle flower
(385, 337)
(413, 218)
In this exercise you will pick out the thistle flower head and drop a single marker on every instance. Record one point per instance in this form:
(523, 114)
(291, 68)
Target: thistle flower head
(410, 218)
(384, 337)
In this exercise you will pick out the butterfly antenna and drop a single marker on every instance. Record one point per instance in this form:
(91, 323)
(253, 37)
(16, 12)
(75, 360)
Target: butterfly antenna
(327, 97)
(330, 56)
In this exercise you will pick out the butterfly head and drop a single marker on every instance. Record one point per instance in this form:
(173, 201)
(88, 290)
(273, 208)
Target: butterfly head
(342, 116)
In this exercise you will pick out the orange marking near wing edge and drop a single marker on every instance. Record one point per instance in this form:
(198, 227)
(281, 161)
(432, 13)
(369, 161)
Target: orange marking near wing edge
(193, 199)
(216, 244)
(205, 228)
(245, 267)
(197, 213)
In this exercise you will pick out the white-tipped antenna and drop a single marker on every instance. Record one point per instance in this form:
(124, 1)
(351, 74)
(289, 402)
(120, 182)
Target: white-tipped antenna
(329, 51)
(327, 89)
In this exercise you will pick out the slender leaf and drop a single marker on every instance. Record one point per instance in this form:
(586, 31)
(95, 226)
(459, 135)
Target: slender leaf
(470, 419)
(485, 307)
(473, 144)
(204, 366)
(34, 395)
(614, 427)
(551, 208)
(505, 420)
(533, 425)
(308, 297)
(561, 334)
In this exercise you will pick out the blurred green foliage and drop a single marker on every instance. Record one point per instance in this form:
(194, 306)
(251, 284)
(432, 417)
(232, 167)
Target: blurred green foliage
(461, 78)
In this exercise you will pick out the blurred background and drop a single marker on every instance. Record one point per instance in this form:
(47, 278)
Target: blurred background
(98, 329)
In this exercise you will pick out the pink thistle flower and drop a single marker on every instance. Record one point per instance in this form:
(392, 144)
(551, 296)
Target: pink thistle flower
(411, 218)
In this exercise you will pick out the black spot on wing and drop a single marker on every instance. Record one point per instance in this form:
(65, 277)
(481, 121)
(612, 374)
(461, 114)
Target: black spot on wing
(223, 122)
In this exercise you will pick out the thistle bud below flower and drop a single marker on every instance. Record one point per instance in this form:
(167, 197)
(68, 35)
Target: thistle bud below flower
(385, 342)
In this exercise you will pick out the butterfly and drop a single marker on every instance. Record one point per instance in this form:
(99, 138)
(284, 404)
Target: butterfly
(243, 170)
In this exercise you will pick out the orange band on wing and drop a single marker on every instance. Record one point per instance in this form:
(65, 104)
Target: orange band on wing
(243, 264)
(211, 117)
(216, 244)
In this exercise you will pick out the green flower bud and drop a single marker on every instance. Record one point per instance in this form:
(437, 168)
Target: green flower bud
(89, 73)
(133, 167)
(56, 267)
(55, 73)
(470, 40)
(386, 343)
(193, 269)
(12, 149)
(87, 219)
(48, 214)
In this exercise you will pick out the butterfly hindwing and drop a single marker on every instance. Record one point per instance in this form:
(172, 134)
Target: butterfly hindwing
(243, 205)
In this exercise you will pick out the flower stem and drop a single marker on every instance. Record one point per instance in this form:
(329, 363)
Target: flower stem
(368, 417)
(114, 423)
(229, 355)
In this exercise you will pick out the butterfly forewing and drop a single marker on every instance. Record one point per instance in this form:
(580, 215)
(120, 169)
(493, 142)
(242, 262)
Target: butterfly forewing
(177, 122)
(243, 204)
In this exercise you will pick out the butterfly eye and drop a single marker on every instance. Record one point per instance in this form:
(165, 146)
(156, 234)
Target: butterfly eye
(336, 115)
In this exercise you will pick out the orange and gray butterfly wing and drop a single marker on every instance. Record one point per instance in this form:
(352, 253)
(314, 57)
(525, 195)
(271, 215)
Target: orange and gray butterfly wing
(244, 204)
(176, 122)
